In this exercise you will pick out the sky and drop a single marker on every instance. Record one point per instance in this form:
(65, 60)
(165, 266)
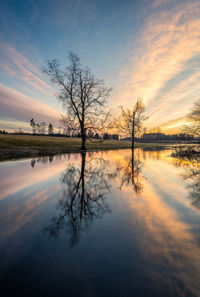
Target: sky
(141, 48)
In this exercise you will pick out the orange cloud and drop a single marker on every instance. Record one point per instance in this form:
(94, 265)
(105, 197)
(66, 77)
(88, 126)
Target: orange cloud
(174, 126)
(170, 39)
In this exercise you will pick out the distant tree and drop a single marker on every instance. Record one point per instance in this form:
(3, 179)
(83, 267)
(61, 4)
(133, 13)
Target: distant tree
(130, 121)
(33, 125)
(50, 129)
(19, 131)
(90, 133)
(194, 117)
(3, 132)
(96, 136)
(106, 136)
(38, 128)
(43, 127)
(155, 130)
(83, 96)
(59, 129)
(70, 126)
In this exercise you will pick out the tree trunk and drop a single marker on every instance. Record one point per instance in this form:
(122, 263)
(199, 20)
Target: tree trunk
(83, 143)
(133, 132)
(83, 138)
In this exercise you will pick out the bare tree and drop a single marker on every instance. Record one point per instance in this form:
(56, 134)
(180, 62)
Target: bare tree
(50, 129)
(43, 127)
(83, 96)
(130, 121)
(194, 117)
(38, 128)
(33, 125)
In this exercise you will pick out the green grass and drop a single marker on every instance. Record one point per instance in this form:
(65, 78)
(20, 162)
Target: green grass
(37, 141)
(13, 146)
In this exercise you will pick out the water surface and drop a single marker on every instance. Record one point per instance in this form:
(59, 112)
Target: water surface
(100, 224)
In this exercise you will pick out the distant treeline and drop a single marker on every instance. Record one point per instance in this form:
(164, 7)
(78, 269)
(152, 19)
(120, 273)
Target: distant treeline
(161, 137)
(43, 129)
(3, 132)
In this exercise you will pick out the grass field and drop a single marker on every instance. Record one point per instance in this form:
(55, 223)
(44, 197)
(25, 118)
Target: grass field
(14, 146)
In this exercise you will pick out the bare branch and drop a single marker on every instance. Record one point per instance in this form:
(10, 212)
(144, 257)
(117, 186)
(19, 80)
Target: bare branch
(83, 96)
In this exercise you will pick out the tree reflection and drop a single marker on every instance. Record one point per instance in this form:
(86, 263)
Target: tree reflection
(130, 171)
(189, 160)
(84, 197)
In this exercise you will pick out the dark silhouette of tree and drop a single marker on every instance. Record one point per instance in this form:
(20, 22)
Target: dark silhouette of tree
(84, 197)
(38, 128)
(83, 96)
(43, 127)
(130, 122)
(3, 132)
(50, 129)
(161, 137)
(33, 125)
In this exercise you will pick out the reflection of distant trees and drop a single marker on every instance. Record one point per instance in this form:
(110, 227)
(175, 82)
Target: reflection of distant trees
(153, 153)
(43, 160)
(84, 197)
(189, 160)
(130, 171)
(50, 159)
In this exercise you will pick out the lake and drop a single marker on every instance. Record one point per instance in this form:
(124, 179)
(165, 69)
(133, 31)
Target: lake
(100, 224)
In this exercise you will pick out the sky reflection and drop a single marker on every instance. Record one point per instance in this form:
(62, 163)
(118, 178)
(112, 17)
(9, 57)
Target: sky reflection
(134, 210)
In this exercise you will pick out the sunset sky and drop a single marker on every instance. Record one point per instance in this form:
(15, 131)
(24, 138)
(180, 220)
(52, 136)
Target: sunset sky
(142, 48)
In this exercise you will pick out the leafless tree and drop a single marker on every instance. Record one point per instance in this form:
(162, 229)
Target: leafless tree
(50, 129)
(130, 121)
(83, 96)
(43, 127)
(33, 125)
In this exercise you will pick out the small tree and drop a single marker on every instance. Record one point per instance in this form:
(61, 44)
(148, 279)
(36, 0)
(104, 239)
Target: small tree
(38, 128)
(131, 120)
(43, 127)
(83, 96)
(50, 129)
(33, 125)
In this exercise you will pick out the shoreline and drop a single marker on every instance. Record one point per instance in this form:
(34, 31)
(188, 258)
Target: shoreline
(23, 146)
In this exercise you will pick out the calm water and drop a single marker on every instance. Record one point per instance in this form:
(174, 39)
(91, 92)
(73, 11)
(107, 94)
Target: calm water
(100, 224)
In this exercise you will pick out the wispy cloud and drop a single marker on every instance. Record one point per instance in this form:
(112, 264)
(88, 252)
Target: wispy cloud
(174, 126)
(169, 41)
(14, 125)
(15, 64)
(178, 99)
(15, 105)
